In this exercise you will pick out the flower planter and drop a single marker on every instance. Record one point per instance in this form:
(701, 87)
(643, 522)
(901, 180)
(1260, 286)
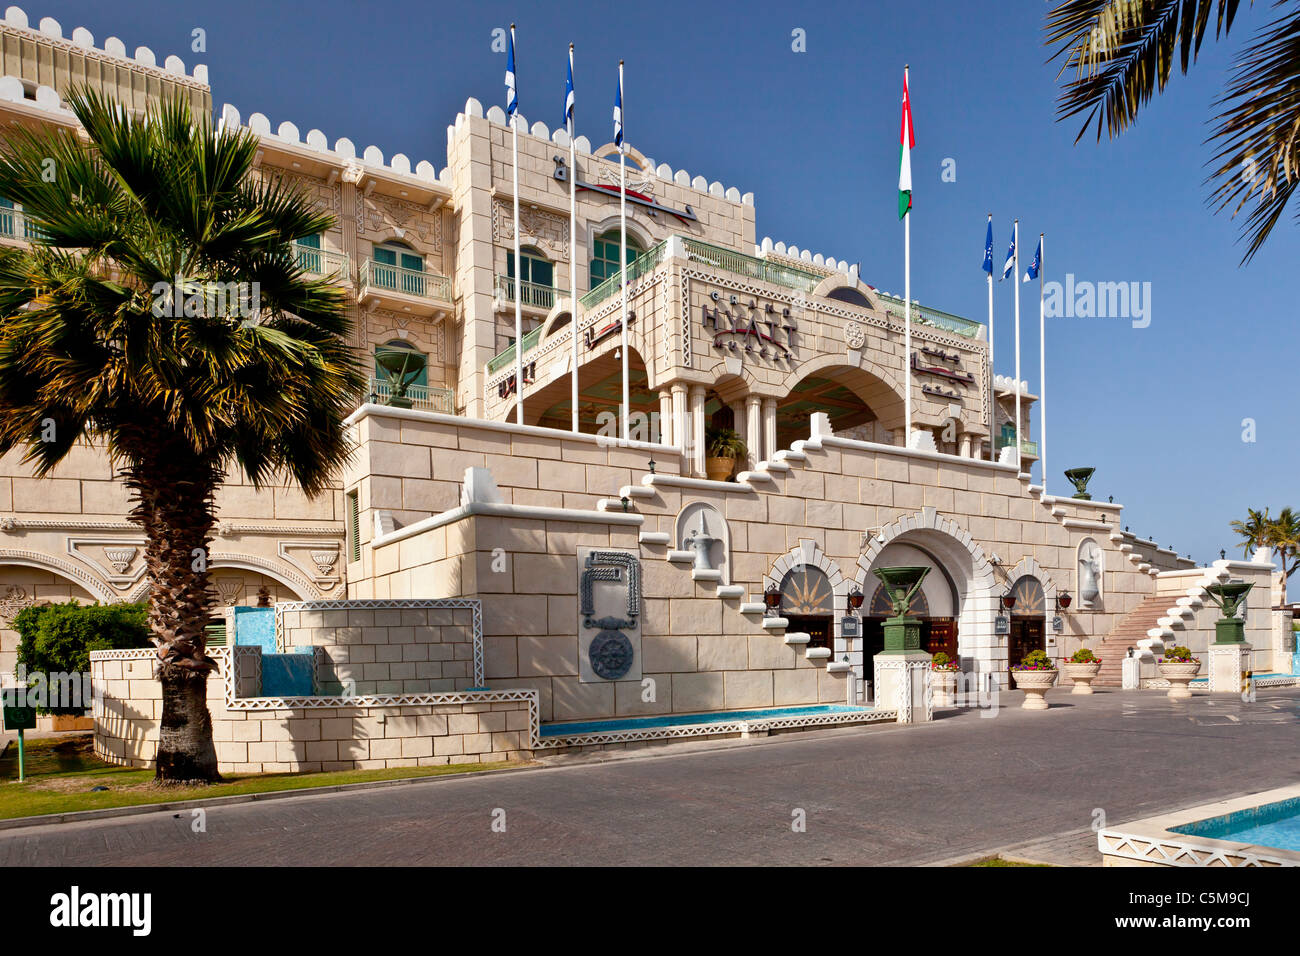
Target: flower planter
(719, 469)
(943, 688)
(1082, 675)
(1179, 676)
(1034, 683)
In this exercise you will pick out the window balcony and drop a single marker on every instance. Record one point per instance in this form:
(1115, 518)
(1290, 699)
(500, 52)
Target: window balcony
(533, 297)
(1027, 447)
(426, 398)
(14, 225)
(403, 290)
(322, 262)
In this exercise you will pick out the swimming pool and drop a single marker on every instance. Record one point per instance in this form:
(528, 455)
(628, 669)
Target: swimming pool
(673, 720)
(1273, 824)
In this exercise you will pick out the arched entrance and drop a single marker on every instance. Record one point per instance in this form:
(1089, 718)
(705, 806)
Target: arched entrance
(1028, 619)
(808, 603)
(600, 398)
(936, 604)
(860, 405)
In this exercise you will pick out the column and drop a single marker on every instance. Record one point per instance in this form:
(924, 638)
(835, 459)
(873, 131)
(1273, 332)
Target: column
(769, 428)
(698, 395)
(665, 436)
(964, 449)
(738, 416)
(754, 429)
(681, 435)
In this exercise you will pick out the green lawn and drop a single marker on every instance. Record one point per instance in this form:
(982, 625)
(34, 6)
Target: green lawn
(61, 771)
(998, 861)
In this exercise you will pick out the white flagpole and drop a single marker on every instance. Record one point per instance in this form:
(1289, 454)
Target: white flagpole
(622, 255)
(907, 329)
(1042, 372)
(1016, 277)
(519, 271)
(573, 253)
(993, 404)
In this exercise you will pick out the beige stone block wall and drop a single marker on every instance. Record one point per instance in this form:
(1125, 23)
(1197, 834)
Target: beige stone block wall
(294, 740)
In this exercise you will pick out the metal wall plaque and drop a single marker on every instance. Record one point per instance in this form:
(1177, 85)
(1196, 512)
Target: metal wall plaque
(850, 626)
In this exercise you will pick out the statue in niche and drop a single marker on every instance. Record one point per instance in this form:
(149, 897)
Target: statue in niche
(702, 542)
(1089, 572)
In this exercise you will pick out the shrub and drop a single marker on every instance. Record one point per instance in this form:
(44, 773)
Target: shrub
(724, 443)
(1177, 655)
(1084, 656)
(942, 662)
(1035, 661)
(58, 638)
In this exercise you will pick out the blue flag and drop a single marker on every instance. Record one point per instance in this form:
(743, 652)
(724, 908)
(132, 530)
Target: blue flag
(1011, 255)
(512, 99)
(618, 111)
(568, 94)
(1037, 263)
(988, 249)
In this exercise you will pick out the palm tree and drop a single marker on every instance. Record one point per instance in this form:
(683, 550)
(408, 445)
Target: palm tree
(1253, 531)
(115, 329)
(1122, 51)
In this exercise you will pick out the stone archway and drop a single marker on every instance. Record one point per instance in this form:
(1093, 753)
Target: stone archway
(967, 568)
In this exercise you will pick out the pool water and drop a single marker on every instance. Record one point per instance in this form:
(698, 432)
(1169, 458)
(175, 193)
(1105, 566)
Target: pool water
(675, 720)
(1274, 824)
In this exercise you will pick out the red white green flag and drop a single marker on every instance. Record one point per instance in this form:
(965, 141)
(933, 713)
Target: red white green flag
(906, 140)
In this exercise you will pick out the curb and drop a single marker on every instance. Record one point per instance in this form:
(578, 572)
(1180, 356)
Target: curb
(89, 816)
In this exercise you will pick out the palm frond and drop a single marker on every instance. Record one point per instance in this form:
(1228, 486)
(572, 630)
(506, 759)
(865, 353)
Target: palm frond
(1258, 131)
(1123, 51)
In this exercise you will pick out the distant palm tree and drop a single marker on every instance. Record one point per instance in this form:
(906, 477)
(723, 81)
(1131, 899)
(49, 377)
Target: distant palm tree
(1280, 535)
(1121, 51)
(118, 327)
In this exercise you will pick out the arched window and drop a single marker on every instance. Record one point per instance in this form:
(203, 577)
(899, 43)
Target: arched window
(537, 269)
(604, 255)
(398, 266)
(850, 295)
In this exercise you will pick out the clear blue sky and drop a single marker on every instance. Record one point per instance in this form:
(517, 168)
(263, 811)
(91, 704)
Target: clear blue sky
(716, 88)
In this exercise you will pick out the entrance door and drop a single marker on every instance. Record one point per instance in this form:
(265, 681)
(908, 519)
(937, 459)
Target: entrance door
(818, 629)
(873, 642)
(1027, 634)
(939, 634)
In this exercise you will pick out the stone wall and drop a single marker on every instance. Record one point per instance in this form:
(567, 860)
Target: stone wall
(266, 736)
(829, 502)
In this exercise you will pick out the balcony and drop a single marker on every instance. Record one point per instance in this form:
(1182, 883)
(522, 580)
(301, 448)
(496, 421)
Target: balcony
(14, 225)
(403, 290)
(533, 297)
(1027, 447)
(322, 262)
(426, 398)
(502, 359)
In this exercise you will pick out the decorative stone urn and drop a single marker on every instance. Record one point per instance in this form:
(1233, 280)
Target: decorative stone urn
(1179, 674)
(943, 688)
(719, 469)
(1082, 675)
(1035, 684)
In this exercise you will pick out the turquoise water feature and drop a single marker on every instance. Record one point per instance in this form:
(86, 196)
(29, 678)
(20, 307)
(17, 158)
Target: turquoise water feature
(1273, 825)
(675, 720)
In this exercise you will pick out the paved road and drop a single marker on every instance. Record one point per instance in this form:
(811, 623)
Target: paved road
(879, 795)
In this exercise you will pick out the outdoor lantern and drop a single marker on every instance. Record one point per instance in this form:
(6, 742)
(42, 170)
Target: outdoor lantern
(772, 597)
(1009, 600)
(652, 466)
(855, 599)
(625, 501)
(1063, 599)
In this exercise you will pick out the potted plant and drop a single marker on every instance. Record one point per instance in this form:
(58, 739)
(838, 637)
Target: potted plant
(943, 680)
(722, 447)
(1034, 675)
(1178, 666)
(1081, 668)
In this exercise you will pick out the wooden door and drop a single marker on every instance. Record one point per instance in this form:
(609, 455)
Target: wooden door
(1027, 634)
(819, 629)
(940, 634)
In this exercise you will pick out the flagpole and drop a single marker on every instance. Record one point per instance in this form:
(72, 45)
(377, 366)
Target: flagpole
(1042, 372)
(622, 255)
(1015, 275)
(907, 283)
(573, 246)
(993, 420)
(519, 271)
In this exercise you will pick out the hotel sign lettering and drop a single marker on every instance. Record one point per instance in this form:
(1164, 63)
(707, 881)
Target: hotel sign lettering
(750, 327)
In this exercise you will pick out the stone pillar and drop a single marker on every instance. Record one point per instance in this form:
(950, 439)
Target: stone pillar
(738, 416)
(964, 450)
(754, 428)
(698, 395)
(903, 672)
(681, 434)
(1227, 663)
(665, 417)
(769, 428)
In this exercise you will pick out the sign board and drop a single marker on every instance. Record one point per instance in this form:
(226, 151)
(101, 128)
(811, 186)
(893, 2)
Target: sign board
(1002, 625)
(850, 626)
(19, 717)
(1058, 624)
